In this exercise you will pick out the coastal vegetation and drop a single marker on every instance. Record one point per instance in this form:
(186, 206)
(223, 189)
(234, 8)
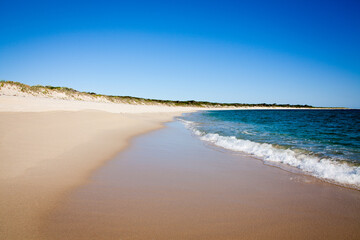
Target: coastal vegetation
(72, 94)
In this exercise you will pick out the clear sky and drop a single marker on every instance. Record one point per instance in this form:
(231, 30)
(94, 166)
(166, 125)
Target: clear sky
(297, 52)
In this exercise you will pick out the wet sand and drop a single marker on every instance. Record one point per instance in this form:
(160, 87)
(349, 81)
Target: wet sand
(170, 185)
(45, 155)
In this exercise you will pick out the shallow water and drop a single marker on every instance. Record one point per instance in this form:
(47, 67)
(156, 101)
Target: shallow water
(323, 143)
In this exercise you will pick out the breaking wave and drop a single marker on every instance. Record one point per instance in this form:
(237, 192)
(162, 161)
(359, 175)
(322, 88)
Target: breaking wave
(325, 168)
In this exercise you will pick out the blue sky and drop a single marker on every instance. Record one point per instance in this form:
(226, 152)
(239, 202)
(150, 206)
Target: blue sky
(297, 52)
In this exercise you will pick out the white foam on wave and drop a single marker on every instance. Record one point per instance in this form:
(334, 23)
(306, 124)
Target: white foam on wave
(247, 132)
(324, 168)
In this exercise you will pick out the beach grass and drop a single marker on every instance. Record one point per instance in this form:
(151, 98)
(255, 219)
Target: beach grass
(70, 93)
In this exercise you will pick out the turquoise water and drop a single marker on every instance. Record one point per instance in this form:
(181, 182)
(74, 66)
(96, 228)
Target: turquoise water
(322, 143)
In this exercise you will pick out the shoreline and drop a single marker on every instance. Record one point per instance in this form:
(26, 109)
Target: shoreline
(320, 144)
(169, 185)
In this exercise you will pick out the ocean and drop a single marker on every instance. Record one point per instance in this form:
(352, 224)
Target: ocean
(321, 143)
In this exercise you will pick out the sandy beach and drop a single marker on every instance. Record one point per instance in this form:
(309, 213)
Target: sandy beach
(170, 185)
(179, 120)
(51, 149)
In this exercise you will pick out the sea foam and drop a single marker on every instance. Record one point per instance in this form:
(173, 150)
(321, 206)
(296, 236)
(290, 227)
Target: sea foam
(324, 168)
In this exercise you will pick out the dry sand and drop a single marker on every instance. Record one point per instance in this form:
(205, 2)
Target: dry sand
(46, 153)
(39, 104)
